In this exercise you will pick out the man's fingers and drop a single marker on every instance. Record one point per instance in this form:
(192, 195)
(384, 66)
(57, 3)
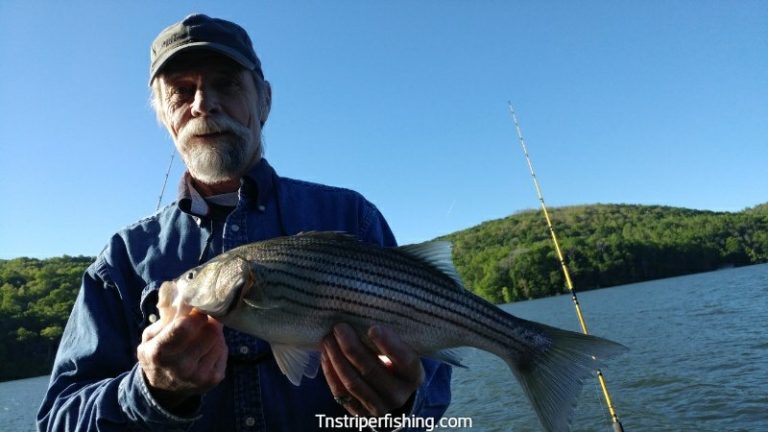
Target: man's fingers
(180, 332)
(337, 387)
(405, 362)
(352, 382)
(185, 356)
(368, 365)
(212, 366)
(207, 340)
(361, 357)
(152, 330)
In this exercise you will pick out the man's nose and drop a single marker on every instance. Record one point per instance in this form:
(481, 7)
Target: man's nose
(206, 102)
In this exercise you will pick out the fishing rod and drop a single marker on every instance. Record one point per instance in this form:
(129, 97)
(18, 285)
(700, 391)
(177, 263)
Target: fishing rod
(165, 181)
(617, 427)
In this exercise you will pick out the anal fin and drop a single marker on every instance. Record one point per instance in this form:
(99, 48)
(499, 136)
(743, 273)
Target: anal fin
(296, 363)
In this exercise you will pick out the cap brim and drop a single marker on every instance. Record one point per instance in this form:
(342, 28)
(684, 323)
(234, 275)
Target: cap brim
(161, 62)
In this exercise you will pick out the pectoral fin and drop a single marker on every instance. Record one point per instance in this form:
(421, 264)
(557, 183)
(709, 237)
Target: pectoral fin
(296, 363)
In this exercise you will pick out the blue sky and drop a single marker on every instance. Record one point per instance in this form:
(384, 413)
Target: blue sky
(652, 102)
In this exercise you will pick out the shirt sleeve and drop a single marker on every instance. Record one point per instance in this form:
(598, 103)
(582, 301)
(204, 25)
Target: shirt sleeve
(374, 228)
(96, 383)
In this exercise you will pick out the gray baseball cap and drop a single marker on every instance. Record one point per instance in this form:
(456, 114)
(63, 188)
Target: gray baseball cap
(200, 31)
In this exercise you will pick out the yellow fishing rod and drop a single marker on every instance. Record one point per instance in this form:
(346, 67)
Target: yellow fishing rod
(617, 427)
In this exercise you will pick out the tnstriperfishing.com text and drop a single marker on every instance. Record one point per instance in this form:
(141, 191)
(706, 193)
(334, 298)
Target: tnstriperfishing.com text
(390, 422)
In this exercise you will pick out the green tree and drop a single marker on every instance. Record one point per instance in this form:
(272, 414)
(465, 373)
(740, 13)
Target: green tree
(36, 297)
(604, 245)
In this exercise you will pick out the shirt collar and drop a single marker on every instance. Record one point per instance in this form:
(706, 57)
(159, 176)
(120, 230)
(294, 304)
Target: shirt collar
(256, 187)
(228, 199)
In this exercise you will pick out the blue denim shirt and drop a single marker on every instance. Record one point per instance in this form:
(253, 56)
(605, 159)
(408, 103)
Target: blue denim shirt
(96, 383)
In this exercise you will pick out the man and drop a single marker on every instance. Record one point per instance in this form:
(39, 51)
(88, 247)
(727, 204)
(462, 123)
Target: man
(116, 370)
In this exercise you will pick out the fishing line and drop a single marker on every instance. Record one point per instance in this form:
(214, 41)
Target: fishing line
(617, 427)
(165, 181)
(597, 395)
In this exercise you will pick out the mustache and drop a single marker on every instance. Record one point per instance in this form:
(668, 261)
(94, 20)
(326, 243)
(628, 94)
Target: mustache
(212, 125)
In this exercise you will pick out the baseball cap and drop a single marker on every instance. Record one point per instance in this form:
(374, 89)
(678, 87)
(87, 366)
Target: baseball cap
(200, 31)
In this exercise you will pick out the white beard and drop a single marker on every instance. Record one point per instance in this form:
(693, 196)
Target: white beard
(217, 159)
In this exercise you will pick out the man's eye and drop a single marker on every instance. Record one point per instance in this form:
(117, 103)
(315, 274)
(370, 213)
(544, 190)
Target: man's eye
(190, 275)
(182, 91)
(227, 83)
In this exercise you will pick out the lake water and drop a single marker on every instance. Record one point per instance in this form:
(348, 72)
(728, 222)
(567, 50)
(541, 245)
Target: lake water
(698, 360)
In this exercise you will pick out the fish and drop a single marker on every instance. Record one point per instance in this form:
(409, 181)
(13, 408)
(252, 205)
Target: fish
(290, 291)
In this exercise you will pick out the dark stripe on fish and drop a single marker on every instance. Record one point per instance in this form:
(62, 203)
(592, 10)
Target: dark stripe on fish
(504, 340)
(326, 249)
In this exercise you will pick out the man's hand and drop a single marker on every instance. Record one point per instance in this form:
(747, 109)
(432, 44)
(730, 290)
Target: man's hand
(184, 357)
(360, 380)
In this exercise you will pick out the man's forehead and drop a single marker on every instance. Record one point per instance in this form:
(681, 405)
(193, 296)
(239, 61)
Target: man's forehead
(212, 70)
(201, 62)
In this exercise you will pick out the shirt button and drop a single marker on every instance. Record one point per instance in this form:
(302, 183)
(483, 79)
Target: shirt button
(250, 421)
(235, 228)
(262, 208)
(243, 349)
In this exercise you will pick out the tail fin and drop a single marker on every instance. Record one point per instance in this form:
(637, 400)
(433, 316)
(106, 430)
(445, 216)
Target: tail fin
(552, 378)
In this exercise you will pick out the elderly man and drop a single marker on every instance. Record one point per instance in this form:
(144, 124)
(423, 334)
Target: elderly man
(116, 370)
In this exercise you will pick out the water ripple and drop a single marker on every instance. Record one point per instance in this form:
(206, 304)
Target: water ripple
(696, 361)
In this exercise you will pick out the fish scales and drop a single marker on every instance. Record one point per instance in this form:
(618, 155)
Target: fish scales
(348, 296)
(379, 315)
(338, 268)
(405, 280)
(290, 291)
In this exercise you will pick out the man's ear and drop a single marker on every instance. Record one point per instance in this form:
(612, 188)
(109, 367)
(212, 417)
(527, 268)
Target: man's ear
(155, 102)
(267, 103)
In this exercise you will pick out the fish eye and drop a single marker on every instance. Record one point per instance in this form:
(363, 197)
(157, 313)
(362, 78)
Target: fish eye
(190, 275)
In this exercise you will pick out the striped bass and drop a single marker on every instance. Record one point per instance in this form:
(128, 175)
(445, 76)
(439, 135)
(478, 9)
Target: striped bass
(291, 291)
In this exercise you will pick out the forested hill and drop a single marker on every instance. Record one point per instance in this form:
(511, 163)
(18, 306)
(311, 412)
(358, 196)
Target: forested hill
(502, 260)
(604, 245)
(36, 297)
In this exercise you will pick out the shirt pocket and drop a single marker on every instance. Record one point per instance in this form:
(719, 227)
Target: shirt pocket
(148, 305)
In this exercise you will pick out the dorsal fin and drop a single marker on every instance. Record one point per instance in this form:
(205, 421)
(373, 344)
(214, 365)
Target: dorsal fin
(437, 254)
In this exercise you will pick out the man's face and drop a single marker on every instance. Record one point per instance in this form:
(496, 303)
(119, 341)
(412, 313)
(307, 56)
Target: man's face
(211, 109)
